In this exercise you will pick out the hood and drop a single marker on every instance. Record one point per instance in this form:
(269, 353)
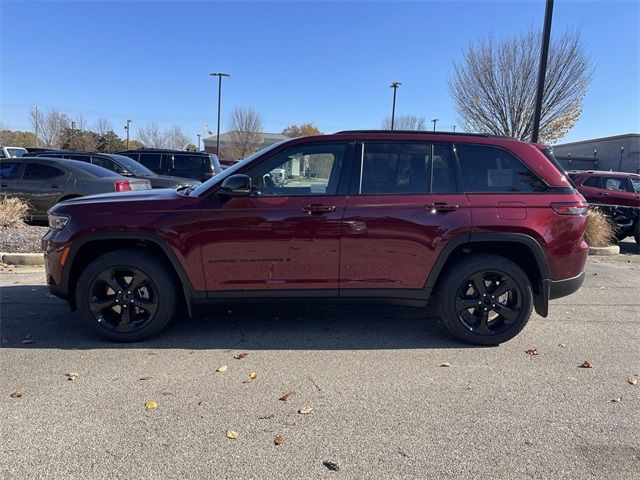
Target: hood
(157, 194)
(167, 181)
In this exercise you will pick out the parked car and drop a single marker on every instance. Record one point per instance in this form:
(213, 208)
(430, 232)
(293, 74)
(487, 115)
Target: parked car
(198, 165)
(44, 182)
(12, 152)
(616, 194)
(488, 225)
(123, 165)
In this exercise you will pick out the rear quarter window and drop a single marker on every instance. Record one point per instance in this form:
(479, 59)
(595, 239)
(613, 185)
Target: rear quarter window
(487, 169)
(188, 162)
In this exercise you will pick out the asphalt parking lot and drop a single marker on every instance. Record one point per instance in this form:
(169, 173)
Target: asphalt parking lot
(383, 406)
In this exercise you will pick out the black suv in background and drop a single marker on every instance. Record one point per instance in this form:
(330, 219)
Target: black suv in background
(122, 165)
(198, 165)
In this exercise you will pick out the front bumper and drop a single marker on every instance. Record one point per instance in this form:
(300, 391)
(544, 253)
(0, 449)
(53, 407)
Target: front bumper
(563, 288)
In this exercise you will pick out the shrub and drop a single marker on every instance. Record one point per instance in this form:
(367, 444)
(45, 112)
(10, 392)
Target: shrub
(599, 231)
(12, 212)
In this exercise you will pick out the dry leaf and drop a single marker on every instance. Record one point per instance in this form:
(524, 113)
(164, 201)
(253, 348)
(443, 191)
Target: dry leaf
(150, 405)
(445, 364)
(331, 466)
(305, 410)
(279, 440)
(286, 397)
(586, 364)
(253, 376)
(222, 368)
(632, 380)
(145, 377)
(616, 399)
(531, 351)
(232, 434)
(16, 395)
(266, 417)
(238, 356)
(27, 340)
(72, 375)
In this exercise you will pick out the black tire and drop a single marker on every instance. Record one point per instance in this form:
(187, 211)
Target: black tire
(636, 232)
(475, 289)
(126, 296)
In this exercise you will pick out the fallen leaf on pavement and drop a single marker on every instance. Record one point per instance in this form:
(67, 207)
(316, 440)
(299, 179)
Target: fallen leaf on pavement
(279, 440)
(145, 377)
(222, 368)
(238, 356)
(586, 364)
(445, 364)
(253, 376)
(150, 405)
(16, 395)
(28, 339)
(286, 397)
(531, 351)
(266, 417)
(305, 410)
(616, 399)
(232, 434)
(331, 466)
(72, 375)
(632, 380)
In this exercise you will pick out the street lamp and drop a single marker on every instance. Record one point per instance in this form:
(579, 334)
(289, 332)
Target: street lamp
(435, 120)
(454, 129)
(620, 164)
(198, 135)
(395, 86)
(36, 115)
(126, 127)
(219, 75)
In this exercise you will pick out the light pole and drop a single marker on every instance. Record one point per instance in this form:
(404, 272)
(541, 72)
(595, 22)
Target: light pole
(454, 129)
(219, 75)
(395, 86)
(544, 54)
(36, 109)
(435, 120)
(126, 127)
(620, 164)
(198, 135)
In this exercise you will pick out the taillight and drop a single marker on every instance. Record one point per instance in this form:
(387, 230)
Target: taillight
(129, 185)
(570, 208)
(123, 186)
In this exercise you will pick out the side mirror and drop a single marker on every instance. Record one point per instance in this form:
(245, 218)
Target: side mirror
(236, 186)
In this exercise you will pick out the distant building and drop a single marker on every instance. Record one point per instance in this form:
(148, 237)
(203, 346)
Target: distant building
(617, 153)
(225, 138)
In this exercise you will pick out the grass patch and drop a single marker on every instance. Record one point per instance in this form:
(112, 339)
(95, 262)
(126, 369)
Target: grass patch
(599, 231)
(12, 212)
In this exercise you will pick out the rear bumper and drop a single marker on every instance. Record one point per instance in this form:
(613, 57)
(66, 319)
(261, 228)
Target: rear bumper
(563, 288)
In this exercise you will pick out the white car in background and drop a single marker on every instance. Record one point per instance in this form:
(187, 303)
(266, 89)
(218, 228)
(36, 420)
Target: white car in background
(12, 152)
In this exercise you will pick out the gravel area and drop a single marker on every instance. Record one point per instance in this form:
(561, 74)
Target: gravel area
(24, 239)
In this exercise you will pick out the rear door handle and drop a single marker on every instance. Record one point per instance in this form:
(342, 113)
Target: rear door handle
(315, 209)
(442, 207)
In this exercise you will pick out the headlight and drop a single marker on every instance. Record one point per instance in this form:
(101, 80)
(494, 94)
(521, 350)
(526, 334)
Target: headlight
(57, 222)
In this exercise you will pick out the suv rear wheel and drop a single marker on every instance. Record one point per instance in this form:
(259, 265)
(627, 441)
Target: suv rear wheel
(485, 299)
(126, 296)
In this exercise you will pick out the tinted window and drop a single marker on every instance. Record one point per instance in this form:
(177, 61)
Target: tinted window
(395, 168)
(307, 170)
(9, 170)
(188, 162)
(616, 183)
(134, 156)
(444, 171)
(82, 158)
(592, 182)
(2, 155)
(492, 169)
(35, 171)
(151, 160)
(104, 163)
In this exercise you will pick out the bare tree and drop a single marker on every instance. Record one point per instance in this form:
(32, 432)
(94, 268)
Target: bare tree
(176, 138)
(81, 123)
(51, 126)
(151, 136)
(494, 88)
(103, 126)
(405, 122)
(245, 133)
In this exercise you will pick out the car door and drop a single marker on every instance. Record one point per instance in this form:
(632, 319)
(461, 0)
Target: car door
(618, 191)
(591, 189)
(41, 186)
(404, 205)
(10, 172)
(284, 237)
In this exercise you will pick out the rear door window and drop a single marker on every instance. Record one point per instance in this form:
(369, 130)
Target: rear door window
(104, 163)
(36, 171)
(9, 170)
(487, 169)
(188, 162)
(593, 182)
(394, 168)
(617, 184)
(152, 161)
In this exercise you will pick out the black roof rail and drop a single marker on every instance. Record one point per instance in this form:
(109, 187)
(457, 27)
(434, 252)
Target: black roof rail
(426, 132)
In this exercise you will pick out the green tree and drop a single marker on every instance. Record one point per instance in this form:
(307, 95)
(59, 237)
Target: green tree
(16, 138)
(109, 142)
(302, 130)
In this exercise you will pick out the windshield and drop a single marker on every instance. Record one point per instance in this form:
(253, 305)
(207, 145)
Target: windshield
(636, 184)
(200, 189)
(16, 152)
(134, 167)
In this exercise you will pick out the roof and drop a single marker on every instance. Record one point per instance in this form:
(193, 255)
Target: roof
(265, 136)
(423, 132)
(158, 150)
(604, 172)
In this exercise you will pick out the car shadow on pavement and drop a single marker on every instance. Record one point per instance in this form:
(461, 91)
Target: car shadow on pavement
(29, 313)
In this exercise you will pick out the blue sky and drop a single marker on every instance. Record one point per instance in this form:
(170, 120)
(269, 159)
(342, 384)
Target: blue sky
(329, 63)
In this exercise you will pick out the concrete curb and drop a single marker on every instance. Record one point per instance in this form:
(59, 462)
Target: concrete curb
(605, 251)
(22, 258)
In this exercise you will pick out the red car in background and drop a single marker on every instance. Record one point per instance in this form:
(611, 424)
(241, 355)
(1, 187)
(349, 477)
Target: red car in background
(617, 194)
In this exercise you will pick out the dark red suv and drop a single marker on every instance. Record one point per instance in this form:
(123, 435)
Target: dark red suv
(617, 194)
(488, 226)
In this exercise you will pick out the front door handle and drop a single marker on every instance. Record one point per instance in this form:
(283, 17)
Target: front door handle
(441, 207)
(315, 209)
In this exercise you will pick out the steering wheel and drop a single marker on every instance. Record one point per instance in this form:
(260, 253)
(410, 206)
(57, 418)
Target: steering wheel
(268, 185)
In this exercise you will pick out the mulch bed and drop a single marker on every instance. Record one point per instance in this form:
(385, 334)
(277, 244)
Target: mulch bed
(23, 239)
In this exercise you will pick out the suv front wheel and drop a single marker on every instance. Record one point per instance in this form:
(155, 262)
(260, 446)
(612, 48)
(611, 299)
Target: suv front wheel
(126, 296)
(485, 299)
